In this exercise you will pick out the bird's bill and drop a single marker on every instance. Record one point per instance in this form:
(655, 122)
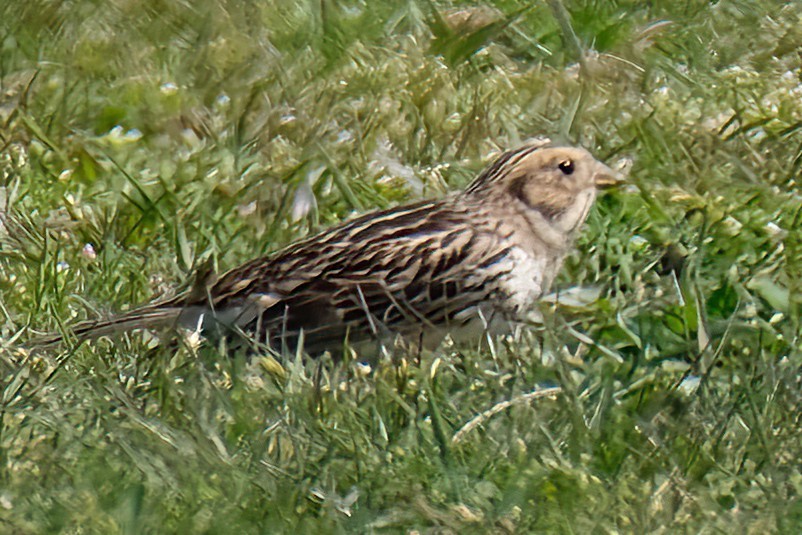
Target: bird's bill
(606, 178)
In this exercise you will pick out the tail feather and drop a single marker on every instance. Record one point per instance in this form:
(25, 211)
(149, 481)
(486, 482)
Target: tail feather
(149, 317)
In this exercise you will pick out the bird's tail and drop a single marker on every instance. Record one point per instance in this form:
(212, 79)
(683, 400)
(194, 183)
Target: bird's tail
(156, 316)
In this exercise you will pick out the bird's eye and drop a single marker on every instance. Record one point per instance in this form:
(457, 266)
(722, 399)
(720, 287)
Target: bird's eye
(566, 166)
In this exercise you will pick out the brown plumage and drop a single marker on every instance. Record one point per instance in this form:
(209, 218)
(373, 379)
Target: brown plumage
(465, 264)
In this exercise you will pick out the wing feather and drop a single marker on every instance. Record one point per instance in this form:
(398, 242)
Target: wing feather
(414, 269)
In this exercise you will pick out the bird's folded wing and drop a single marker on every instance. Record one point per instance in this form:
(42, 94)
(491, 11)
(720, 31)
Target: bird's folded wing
(406, 286)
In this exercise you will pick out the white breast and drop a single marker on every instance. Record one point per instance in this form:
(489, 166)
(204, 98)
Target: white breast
(525, 284)
(517, 292)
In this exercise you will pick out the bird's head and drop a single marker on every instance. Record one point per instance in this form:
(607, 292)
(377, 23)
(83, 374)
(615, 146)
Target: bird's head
(559, 183)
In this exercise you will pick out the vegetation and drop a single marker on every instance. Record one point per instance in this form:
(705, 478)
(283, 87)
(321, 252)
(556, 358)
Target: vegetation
(142, 140)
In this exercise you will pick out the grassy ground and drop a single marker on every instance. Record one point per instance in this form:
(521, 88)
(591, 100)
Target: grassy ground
(171, 134)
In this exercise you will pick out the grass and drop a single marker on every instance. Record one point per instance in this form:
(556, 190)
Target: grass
(169, 135)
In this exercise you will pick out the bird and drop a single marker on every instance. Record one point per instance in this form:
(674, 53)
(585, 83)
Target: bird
(469, 264)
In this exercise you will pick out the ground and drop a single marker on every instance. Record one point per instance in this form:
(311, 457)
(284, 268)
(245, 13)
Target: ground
(142, 140)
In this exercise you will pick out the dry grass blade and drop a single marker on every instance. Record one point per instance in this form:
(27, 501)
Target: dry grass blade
(481, 418)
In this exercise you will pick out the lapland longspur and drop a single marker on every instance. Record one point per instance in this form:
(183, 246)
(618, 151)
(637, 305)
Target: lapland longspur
(474, 262)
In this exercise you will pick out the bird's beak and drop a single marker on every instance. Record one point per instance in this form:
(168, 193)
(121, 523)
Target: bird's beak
(606, 178)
